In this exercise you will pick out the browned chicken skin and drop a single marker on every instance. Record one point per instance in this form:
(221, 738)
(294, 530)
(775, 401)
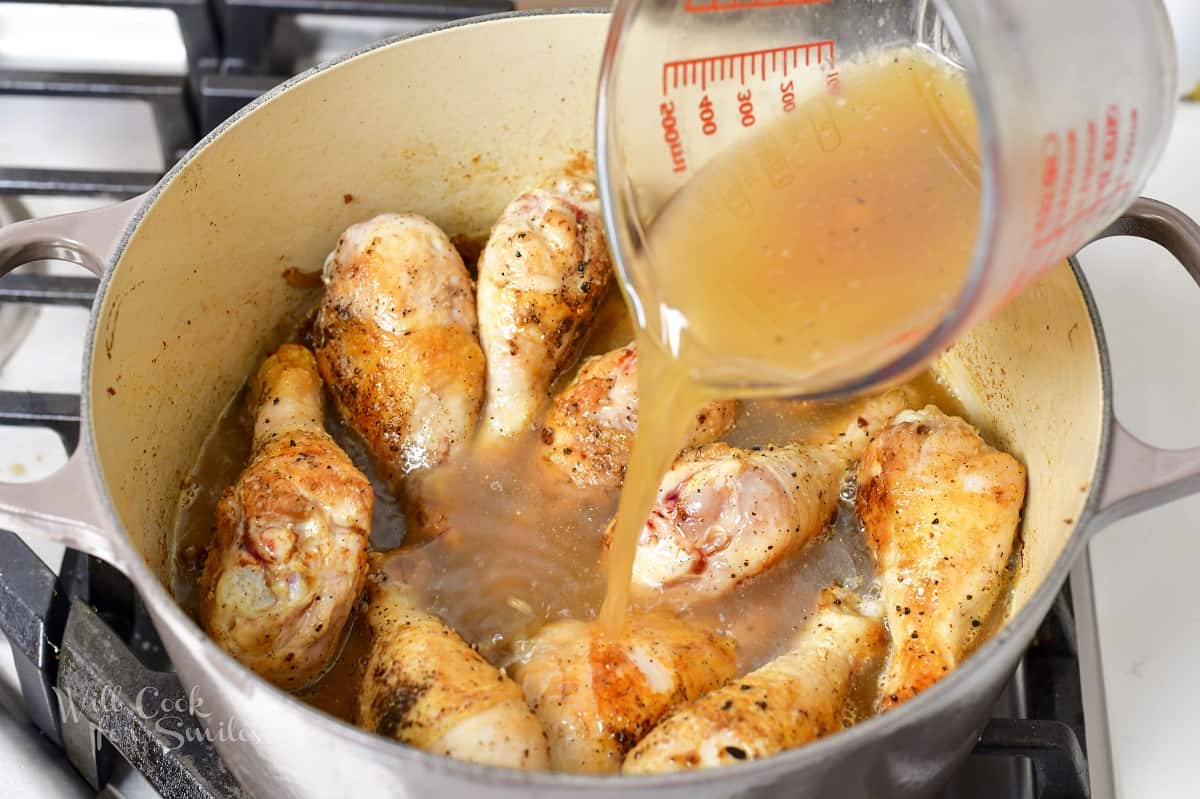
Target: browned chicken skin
(941, 510)
(725, 515)
(426, 687)
(396, 340)
(589, 430)
(596, 697)
(796, 698)
(289, 559)
(542, 276)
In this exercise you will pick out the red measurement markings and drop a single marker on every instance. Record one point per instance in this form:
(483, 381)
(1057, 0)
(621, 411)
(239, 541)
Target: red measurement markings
(672, 137)
(751, 63)
(1112, 142)
(704, 6)
(1110, 145)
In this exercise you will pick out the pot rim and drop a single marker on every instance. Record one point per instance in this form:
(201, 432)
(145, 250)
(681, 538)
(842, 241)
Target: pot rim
(938, 699)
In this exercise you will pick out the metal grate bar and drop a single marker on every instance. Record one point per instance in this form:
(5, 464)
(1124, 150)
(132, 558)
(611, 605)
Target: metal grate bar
(165, 94)
(247, 24)
(220, 96)
(48, 289)
(421, 9)
(101, 680)
(197, 27)
(57, 412)
(1053, 747)
(32, 616)
(89, 84)
(75, 182)
(168, 4)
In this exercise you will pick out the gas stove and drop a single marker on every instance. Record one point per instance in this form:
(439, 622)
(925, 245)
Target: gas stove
(89, 705)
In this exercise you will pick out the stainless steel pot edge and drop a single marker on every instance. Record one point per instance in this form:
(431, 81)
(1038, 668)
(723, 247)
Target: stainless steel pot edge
(931, 702)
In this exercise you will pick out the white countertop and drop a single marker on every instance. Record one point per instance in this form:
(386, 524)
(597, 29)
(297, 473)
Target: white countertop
(1142, 567)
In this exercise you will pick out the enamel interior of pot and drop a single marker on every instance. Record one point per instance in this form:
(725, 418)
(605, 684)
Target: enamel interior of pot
(200, 293)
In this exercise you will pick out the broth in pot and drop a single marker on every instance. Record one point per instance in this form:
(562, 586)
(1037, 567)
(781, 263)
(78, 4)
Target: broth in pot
(508, 548)
(528, 547)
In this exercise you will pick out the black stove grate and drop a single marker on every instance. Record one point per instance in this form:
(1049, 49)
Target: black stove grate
(87, 692)
(83, 634)
(225, 43)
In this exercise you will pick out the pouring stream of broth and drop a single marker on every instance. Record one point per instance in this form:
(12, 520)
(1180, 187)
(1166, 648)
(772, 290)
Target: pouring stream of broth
(786, 260)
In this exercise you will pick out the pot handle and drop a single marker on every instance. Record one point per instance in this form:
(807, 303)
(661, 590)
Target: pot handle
(65, 506)
(62, 507)
(1139, 476)
(87, 238)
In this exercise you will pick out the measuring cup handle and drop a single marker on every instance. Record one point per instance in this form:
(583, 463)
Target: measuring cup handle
(1139, 476)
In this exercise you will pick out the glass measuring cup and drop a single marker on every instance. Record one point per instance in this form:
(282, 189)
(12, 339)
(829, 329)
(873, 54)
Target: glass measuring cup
(1073, 100)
